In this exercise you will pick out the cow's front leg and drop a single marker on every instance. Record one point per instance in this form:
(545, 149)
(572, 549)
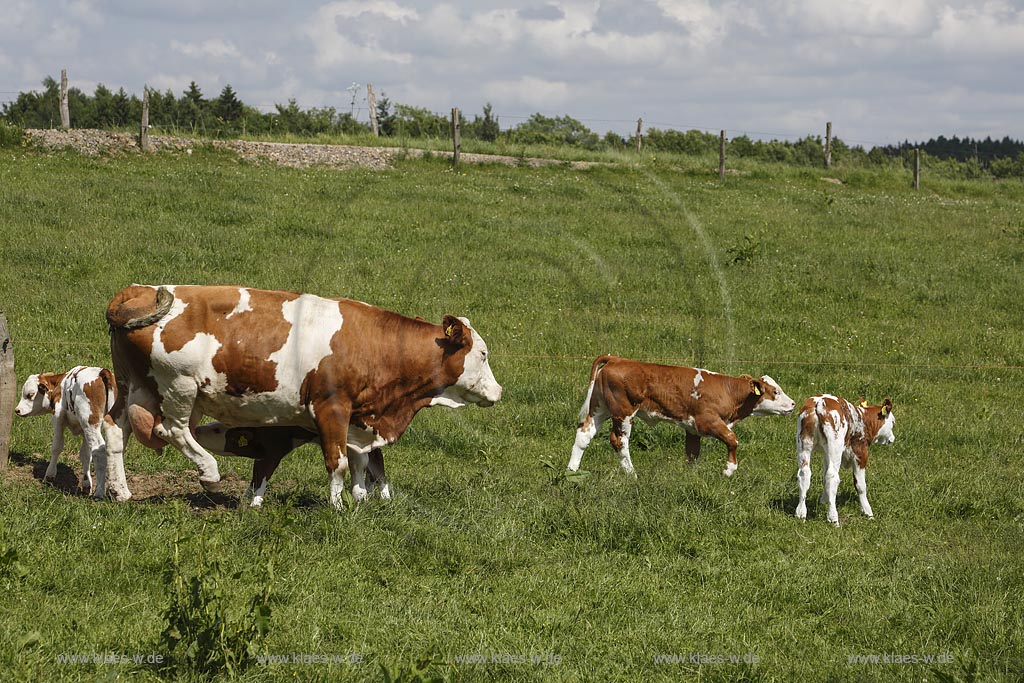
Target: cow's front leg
(56, 446)
(692, 447)
(375, 467)
(331, 418)
(621, 429)
(860, 465)
(719, 430)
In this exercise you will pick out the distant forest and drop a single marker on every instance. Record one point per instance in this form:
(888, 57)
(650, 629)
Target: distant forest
(227, 116)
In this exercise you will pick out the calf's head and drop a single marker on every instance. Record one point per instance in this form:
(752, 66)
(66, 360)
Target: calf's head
(465, 355)
(885, 434)
(38, 395)
(772, 399)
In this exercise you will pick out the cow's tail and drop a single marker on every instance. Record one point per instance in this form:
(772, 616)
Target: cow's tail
(137, 307)
(111, 386)
(594, 369)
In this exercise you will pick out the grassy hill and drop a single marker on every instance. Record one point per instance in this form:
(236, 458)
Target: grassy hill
(489, 556)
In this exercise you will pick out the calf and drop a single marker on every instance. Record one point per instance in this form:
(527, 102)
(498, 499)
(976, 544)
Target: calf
(843, 432)
(703, 403)
(81, 401)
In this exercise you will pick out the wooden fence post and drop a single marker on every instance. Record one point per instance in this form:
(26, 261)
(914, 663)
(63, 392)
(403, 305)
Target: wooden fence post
(65, 116)
(917, 169)
(371, 102)
(456, 136)
(639, 134)
(721, 156)
(8, 390)
(828, 145)
(144, 144)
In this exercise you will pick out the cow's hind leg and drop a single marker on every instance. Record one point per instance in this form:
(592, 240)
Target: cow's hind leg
(262, 470)
(116, 431)
(94, 448)
(375, 467)
(175, 430)
(585, 433)
(804, 450)
(833, 460)
(621, 429)
(692, 447)
(357, 463)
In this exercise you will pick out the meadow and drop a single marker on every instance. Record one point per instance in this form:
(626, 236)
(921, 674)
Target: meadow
(490, 563)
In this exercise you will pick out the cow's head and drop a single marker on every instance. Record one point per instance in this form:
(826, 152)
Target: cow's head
(772, 400)
(465, 355)
(37, 396)
(885, 434)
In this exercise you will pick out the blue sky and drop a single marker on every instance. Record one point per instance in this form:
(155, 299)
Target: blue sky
(881, 70)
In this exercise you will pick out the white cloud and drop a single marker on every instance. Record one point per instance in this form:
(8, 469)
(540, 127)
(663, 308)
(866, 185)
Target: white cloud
(215, 48)
(994, 29)
(529, 91)
(350, 30)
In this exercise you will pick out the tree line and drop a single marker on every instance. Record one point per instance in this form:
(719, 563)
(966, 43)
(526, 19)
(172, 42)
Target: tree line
(227, 116)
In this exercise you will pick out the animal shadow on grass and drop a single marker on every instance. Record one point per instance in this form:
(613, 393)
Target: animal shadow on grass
(25, 466)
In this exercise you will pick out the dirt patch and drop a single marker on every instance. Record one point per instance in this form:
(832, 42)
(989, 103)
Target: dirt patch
(295, 155)
(28, 470)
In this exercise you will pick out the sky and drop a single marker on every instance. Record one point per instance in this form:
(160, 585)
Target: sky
(882, 71)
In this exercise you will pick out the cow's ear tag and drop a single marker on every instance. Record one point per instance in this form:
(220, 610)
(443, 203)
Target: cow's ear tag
(757, 390)
(242, 442)
(448, 330)
(864, 404)
(885, 410)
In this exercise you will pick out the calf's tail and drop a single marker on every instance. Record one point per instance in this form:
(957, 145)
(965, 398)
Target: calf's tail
(594, 369)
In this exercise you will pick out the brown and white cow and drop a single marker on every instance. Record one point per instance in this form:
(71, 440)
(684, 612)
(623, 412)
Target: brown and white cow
(842, 431)
(80, 401)
(350, 373)
(703, 403)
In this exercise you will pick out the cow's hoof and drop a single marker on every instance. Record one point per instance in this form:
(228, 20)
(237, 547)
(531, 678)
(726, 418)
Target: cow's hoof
(212, 486)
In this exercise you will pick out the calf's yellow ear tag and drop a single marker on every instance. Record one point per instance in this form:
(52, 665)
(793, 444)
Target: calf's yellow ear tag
(242, 442)
(864, 404)
(885, 411)
(757, 391)
(448, 330)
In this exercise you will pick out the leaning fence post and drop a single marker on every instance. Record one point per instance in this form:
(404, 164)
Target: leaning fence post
(721, 156)
(371, 102)
(8, 390)
(456, 136)
(65, 116)
(828, 144)
(144, 144)
(917, 169)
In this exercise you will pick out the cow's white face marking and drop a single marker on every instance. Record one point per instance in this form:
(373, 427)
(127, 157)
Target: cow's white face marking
(781, 404)
(33, 401)
(476, 384)
(886, 435)
(243, 303)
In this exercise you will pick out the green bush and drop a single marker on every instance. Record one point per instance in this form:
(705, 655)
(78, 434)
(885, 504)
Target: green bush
(11, 135)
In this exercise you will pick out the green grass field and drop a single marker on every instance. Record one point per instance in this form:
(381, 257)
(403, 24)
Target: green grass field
(489, 554)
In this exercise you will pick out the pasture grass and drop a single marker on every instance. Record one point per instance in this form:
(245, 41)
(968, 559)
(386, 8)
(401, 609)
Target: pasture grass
(488, 551)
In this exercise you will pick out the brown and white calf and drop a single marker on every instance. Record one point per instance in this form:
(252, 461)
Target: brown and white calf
(80, 401)
(842, 431)
(350, 374)
(702, 402)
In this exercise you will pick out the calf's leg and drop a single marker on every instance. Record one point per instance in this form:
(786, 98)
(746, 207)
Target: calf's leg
(56, 447)
(585, 433)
